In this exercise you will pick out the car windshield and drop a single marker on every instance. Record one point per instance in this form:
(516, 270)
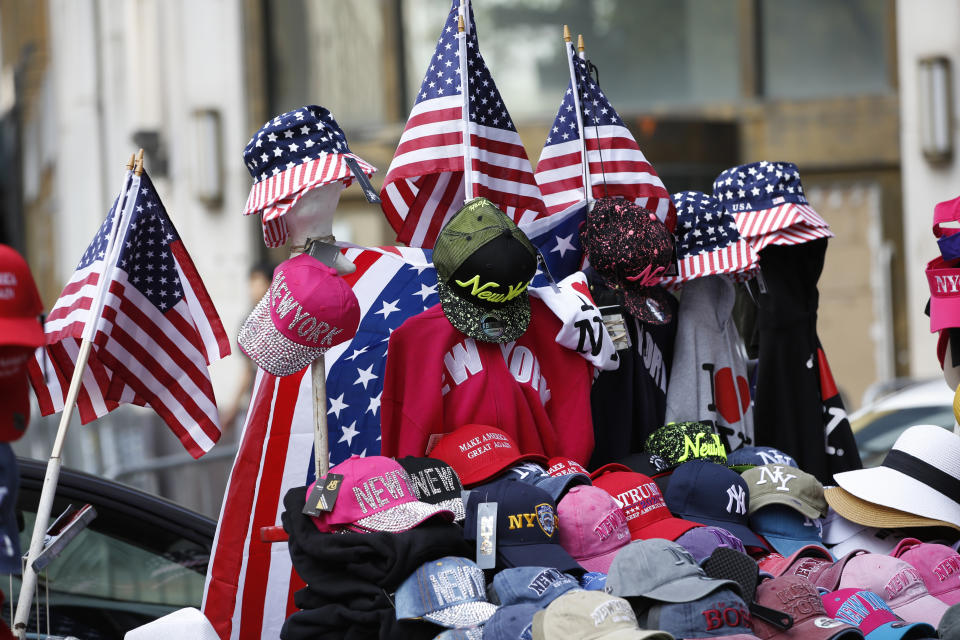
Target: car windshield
(876, 433)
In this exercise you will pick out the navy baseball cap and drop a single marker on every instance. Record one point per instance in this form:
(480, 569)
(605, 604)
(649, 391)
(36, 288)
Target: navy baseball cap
(750, 456)
(511, 622)
(533, 474)
(532, 585)
(527, 530)
(712, 494)
(9, 531)
(786, 529)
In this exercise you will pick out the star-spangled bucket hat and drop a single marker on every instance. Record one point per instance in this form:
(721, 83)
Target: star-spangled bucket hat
(484, 264)
(291, 154)
(708, 242)
(768, 203)
(307, 310)
(450, 592)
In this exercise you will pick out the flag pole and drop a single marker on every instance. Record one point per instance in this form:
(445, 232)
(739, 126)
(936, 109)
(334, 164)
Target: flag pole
(45, 506)
(465, 92)
(584, 157)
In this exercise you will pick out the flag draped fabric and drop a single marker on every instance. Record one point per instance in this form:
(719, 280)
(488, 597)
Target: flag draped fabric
(617, 166)
(154, 334)
(557, 237)
(250, 583)
(424, 184)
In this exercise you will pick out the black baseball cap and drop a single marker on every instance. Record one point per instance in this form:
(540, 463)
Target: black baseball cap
(435, 482)
(484, 263)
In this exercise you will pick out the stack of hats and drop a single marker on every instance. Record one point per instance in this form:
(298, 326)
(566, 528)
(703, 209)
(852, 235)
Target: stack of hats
(786, 506)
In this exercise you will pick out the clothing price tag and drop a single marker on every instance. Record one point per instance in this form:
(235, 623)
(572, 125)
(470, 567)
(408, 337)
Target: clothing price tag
(761, 283)
(368, 191)
(616, 326)
(324, 495)
(487, 535)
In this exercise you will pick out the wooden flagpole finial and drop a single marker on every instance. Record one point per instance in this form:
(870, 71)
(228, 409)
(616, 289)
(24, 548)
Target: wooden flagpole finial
(566, 33)
(139, 166)
(460, 27)
(131, 161)
(580, 45)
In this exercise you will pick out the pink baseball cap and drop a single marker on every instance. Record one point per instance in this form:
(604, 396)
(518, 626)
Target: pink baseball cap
(897, 582)
(308, 310)
(376, 496)
(944, 283)
(594, 527)
(938, 564)
(798, 597)
(868, 612)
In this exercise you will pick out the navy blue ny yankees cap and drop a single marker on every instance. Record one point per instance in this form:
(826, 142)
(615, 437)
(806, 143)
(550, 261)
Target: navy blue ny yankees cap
(712, 494)
(527, 528)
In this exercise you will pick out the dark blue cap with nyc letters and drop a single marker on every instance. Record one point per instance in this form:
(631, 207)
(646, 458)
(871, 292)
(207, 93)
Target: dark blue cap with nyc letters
(527, 526)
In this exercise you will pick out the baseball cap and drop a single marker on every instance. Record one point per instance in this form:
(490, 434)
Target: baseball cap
(375, 495)
(556, 486)
(560, 466)
(701, 541)
(775, 484)
(484, 263)
(843, 536)
(751, 456)
(594, 527)
(593, 581)
(307, 310)
(631, 249)
(643, 505)
(721, 614)
(450, 592)
(938, 564)
(899, 583)
(590, 615)
(867, 611)
(796, 596)
(685, 441)
(807, 561)
(510, 622)
(14, 391)
(435, 482)
(712, 494)
(470, 633)
(532, 585)
(607, 468)
(9, 531)
(527, 531)
(649, 464)
(949, 627)
(20, 304)
(660, 570)
(478, 452)
(784, 529)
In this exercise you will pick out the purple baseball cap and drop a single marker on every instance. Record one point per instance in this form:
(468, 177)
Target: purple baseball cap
(308, 310)
(701, 541)
(594, 527)
(938, 564)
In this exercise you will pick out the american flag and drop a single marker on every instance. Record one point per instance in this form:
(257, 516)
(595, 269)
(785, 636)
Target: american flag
(250, 583)
(617, 166)
(155, 335)
(557, 237)
(424, 184)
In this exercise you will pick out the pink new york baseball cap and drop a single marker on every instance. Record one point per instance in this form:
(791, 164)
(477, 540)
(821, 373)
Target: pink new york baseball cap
(594, 527)
(938, 564)
(897, 582)
(375, 495)
(868, 612)
(308, 310)
(944, 283)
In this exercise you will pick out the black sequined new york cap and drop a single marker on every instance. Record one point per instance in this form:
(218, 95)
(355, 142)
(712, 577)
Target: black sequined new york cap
(484, 263)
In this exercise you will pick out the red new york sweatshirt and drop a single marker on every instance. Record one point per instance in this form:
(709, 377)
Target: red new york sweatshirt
(438, 379)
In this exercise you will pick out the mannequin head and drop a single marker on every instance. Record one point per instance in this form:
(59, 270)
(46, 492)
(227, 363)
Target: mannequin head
(312, 217)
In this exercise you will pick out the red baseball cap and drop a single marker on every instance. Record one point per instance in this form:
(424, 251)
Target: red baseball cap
(642, 503)
(20, 304)
(560, 466)
(14, 392)
(478, 452)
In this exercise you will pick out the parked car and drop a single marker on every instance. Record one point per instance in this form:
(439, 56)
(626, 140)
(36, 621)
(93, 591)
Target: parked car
(142, 557)
(888, 412)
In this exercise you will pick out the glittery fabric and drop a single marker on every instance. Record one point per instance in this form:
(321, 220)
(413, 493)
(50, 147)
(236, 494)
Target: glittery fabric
(682, 441)
(630, 248)
(505, 324)
(268, 348)
(402, 517)
(467, 614)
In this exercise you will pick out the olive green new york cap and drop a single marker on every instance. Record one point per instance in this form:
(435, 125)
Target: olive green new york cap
(779, 484)
(484, 263)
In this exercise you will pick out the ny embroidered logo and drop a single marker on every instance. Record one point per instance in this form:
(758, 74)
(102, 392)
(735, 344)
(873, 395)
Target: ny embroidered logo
(736, 500)
(776, 476)
(772, 456)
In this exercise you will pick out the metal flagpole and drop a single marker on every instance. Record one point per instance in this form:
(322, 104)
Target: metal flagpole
(29, 580)
(584, 156)
(462, 35)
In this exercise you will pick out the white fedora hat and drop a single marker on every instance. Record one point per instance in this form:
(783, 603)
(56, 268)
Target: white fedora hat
(919, 475)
